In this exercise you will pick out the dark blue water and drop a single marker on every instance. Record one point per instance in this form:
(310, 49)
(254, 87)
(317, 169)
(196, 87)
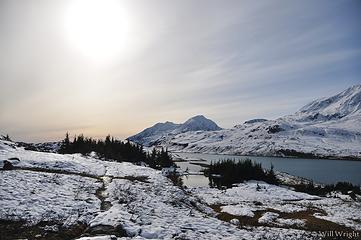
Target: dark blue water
(319, 170)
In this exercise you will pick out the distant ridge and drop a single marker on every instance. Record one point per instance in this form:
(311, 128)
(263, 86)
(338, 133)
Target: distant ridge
(325, 128)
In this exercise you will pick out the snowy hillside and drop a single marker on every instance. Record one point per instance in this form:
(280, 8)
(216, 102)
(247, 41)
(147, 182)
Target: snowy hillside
(53, 196)
(152, 135)
(328, 127)
(341, 105)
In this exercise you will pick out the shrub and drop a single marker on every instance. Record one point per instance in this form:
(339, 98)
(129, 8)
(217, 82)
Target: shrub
(175, 177)
(6, 138)
(343, 187)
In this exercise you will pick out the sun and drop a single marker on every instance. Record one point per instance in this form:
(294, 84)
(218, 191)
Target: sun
(99, 29)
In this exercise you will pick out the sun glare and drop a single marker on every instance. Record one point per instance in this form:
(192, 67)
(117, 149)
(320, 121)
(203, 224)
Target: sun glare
(99, 29)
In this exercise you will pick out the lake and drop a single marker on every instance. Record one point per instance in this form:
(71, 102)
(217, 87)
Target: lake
(318, 170)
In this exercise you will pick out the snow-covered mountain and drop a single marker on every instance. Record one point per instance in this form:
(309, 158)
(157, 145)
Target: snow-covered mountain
(341, 106)
(154, 134)
(328, 127)
(199, 123)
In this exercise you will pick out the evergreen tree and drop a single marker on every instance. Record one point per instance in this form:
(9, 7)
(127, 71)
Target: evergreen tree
(65, 145)
(228, 172)
(6, 137)
(115, 150)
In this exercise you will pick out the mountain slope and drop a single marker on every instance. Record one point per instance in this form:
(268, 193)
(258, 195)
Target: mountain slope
(154, 134)
(151, 134)
(327, 128)
(345, 103)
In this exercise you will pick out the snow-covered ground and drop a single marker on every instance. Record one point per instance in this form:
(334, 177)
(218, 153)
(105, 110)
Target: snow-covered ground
(144, 204)
(328, 127)
(37, 196)
(240, 201)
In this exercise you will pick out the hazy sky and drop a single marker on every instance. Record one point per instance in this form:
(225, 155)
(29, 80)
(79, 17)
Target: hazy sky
(99, 67)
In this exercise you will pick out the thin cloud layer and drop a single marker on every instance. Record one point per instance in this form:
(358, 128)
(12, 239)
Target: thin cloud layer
(230, 61)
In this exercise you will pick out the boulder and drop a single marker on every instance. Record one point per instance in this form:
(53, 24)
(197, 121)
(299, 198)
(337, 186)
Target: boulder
(8, 165)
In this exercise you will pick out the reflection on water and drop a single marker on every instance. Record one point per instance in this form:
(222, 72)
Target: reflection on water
(319, 170)
(195, 181)
(187, 166)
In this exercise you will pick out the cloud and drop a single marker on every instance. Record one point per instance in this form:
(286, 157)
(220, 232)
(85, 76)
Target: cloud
(229, 60)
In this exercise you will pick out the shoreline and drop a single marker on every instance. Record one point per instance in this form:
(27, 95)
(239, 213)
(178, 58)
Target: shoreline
(273, 156)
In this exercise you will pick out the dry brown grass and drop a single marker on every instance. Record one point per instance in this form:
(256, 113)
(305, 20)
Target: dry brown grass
(10, 230)
(312, 223)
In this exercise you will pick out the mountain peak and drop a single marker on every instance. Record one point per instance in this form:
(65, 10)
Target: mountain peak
(347, 102)
(199, 122)
(356, 87)
(197, 118)
(152, 134)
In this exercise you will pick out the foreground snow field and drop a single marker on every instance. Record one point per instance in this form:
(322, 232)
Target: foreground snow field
(36, 196)
(128, 201)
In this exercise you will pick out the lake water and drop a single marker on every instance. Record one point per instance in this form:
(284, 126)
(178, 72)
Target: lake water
(319, 170)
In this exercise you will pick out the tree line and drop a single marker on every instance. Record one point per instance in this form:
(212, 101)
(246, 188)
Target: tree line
(116, 150)
(322, 190)
(228, 172)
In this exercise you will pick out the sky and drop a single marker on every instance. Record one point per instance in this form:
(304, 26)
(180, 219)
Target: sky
(115, 67)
